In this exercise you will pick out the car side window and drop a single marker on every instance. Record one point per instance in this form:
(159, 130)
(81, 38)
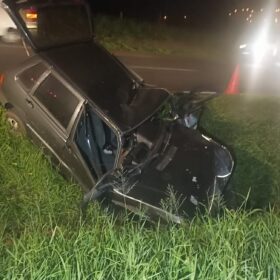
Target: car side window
(57, 99)
(30, 76)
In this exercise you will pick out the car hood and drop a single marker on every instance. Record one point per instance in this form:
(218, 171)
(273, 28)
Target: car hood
(105, 82)
(186, 171)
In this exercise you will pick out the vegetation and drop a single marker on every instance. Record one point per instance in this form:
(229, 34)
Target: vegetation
(158, 38)
(250, 126)
(42, 235)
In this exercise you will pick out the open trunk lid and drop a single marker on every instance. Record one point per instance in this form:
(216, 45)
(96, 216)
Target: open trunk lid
(49, 24)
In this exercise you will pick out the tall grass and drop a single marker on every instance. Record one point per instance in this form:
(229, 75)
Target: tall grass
(42, 235)
(238, 246)
(250, 126)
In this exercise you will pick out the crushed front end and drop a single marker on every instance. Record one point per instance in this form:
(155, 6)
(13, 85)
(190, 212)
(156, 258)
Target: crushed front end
(176, 169)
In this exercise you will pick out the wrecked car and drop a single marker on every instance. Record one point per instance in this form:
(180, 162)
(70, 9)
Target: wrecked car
(102, 125)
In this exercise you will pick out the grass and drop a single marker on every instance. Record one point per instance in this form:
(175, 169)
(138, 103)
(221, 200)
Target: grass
(250, 126)
(157, 38)
(42, 235)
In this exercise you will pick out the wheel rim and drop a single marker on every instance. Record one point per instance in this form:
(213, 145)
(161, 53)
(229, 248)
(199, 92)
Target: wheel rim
(13, 123)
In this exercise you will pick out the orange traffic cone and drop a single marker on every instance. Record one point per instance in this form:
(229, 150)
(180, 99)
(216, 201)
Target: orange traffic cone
(233, 85)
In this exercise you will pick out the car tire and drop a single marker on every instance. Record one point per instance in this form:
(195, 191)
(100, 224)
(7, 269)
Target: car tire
(16, 124)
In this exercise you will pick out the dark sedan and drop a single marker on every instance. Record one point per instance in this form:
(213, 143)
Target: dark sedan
(102, 125)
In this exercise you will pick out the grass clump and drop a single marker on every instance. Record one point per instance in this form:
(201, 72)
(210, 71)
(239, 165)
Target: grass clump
(42, 235)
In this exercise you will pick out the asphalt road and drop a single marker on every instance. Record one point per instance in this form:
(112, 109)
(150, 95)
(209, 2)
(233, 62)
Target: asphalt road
(172, 72)
(179, 73)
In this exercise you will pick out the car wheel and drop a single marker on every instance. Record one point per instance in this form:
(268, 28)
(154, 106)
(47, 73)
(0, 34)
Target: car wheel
(11, 36)
(16, 124)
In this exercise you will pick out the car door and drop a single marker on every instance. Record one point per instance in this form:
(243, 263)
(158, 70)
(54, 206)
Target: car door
(53, 109)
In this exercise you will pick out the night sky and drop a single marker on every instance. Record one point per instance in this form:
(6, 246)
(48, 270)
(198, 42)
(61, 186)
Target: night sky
(151, 9)
(198, 12)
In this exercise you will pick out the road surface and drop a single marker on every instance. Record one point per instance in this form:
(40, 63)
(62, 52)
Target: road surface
(179, 73)
(172, 72)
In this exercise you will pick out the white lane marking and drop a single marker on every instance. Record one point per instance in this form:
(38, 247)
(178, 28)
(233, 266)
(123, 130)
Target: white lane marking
(162, 68)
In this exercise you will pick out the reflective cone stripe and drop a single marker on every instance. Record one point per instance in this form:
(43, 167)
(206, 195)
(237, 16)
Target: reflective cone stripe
(234, 82)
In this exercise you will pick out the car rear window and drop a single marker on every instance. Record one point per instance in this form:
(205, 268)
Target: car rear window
(57, 99)
(30, 76)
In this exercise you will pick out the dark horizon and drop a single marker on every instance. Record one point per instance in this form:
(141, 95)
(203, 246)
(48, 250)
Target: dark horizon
(176, 11)
(212, 15)
(198, 12)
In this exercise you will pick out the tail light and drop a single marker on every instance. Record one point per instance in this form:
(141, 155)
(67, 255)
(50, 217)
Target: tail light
(31, 16)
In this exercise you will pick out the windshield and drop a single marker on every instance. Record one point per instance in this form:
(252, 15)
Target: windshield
(49, 24)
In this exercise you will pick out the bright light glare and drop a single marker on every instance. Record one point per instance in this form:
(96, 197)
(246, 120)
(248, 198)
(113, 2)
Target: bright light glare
(259, 50)
(243, 46)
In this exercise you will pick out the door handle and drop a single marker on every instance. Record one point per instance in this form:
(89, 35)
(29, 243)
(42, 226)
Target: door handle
(29, 103)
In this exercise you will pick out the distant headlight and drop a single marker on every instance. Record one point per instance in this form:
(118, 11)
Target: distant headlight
(259, 50)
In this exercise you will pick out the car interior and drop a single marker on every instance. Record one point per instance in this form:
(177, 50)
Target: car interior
(97, 143)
